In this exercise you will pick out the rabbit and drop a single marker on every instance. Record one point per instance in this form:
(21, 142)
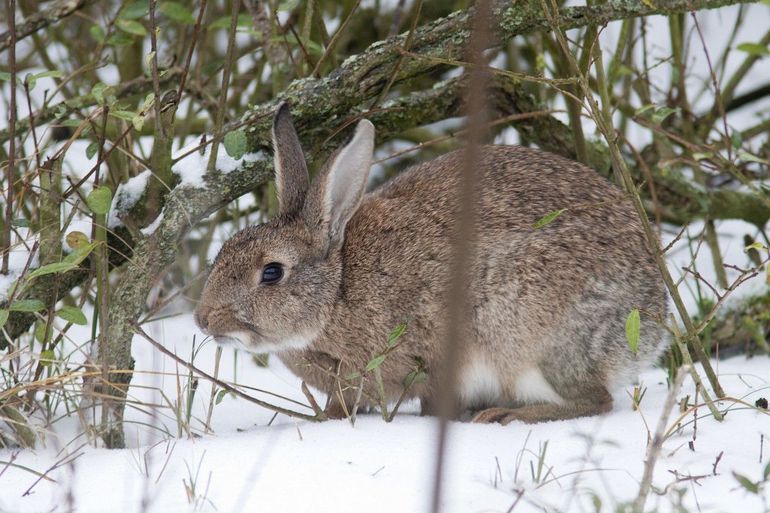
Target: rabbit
(324, 282)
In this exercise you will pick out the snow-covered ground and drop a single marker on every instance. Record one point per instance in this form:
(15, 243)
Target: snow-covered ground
(248, 465)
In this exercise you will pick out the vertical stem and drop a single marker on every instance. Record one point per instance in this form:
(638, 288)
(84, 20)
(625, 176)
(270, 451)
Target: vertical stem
(221, 108)
(102, 287)
(212, 398)
(621, 170)
(11, 174)
(676, 25)
(458, 310)
(654, 448)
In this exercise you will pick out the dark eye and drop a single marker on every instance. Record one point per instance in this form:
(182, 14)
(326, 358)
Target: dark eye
(272, 273)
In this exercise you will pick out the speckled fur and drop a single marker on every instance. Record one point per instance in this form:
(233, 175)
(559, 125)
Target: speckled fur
(552, 300)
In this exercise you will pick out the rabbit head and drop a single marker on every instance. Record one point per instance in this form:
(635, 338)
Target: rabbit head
(273, 286)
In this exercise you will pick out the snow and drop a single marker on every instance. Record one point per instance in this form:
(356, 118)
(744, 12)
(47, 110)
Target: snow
(17, 260)
(248, 464)
(126, 196)
(150, 229)
(374, 466)
(192, 166)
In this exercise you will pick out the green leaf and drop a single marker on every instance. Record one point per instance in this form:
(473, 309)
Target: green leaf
(375, 363)
(633, 323)
(135, 10)
(80, 253)
(288, 5)
(662, 113)
(72, 314)
(50, 73)
(754, 245)
(120, 39)
(702, 155)
(98, 91)
(753, 49)
(750, 157)
(56, 267)
(138, 122)
(396, 334)
(416, 376)
(132, 27)
(41, 331)
(91, 150)
(26, 305)
(69, 263)
(148, 102)
(123, 114)
(30, 81)
(747, 483)
(235, 143)
(4, 75)
(99, 200)
(244, 21)
(736, 139)
(20, 222)
(177, 12)
(97, 32)
(47, 357)
(548, 218)
(4, 313)
(765, 473)
(644, 109)
(220, 395)
(76, 239)
(148, 60)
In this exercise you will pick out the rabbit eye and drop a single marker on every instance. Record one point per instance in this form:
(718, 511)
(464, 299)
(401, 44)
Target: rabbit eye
(272, 273)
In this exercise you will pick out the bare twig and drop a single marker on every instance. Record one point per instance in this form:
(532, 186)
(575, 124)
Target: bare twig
(221, 384)
(11, 170)
(456, 324)
(654, 448)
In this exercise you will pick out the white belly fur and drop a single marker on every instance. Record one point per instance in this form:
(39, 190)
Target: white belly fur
(479, 383)
(532, 387)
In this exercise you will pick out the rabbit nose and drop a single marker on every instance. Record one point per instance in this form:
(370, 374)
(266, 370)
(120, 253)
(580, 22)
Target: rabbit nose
(202, 318)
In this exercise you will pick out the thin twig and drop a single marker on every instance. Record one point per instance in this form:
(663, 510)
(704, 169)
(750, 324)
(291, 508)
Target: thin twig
(221, 384)
(653, 449)
(457, 322)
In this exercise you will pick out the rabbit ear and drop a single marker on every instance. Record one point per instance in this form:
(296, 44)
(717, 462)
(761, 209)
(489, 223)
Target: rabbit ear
(291, 177)
(338, 190)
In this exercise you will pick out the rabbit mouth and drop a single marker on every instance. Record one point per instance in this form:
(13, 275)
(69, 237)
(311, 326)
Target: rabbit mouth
(255, 342)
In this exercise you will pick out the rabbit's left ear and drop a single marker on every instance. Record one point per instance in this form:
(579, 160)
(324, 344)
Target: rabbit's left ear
(291, 177)
(337, 192)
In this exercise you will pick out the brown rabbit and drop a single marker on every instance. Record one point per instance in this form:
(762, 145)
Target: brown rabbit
(325, 282)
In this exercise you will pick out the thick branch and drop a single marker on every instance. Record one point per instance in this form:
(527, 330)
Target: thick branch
(42, 19)
(361, 77)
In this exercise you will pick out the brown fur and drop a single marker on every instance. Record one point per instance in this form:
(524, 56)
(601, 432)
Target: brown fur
(547, 303)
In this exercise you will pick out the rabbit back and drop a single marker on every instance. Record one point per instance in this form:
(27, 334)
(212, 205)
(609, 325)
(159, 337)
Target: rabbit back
(548, 304)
